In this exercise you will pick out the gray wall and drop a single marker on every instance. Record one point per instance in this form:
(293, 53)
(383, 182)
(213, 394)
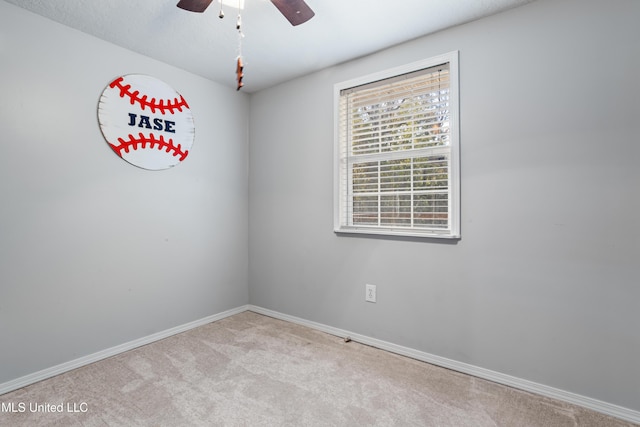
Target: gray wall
(95, 252)
(545, 283)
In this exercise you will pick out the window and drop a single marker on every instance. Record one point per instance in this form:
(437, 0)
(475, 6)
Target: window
(397, 151)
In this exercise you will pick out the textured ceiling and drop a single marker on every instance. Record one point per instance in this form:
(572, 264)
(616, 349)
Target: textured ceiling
(273, 50)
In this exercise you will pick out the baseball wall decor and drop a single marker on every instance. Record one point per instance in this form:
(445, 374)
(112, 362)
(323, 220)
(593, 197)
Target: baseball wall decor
(146, 122)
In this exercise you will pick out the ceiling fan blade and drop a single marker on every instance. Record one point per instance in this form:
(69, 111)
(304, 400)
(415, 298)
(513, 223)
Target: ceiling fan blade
(296, 11)
(194, 5)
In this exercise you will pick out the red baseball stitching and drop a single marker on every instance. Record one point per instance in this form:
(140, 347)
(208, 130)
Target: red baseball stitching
(162, 144)
(153, 104)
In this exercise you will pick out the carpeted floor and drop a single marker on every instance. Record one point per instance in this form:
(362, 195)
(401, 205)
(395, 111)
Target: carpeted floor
(253, 370)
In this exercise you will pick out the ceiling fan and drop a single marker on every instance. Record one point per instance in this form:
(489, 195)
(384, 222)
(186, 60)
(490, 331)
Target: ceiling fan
(296, 11)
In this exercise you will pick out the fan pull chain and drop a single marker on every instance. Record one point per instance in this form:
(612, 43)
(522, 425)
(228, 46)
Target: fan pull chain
(239, 64)
(221, 13)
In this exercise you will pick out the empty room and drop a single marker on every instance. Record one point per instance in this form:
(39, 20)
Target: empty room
(337, 213)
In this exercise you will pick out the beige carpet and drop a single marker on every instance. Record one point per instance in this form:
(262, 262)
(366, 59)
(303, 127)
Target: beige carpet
(252, 370)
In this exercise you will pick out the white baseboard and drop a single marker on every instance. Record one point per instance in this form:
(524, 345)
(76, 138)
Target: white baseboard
(95, 357)
(519, 383)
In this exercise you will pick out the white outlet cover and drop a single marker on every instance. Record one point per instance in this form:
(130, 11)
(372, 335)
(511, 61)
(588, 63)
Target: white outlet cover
(370, 293)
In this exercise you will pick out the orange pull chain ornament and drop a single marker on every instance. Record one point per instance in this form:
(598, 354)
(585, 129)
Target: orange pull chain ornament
(239, 64)
(239, 72)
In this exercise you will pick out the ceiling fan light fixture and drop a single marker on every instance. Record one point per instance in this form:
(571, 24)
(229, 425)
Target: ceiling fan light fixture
(236, 4)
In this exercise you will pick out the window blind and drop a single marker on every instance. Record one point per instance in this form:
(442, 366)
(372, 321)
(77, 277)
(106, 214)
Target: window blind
(394, 154)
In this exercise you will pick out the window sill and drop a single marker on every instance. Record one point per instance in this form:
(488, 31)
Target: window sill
(378, 231)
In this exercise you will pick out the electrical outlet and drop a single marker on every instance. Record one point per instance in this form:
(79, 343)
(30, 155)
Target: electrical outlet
(370, 293)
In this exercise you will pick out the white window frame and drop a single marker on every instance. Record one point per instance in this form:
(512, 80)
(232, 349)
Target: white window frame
(342, 221)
